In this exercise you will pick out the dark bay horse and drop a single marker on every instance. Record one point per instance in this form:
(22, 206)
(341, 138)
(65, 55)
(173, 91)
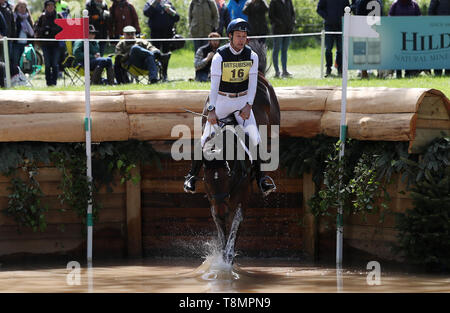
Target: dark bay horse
(227, 183)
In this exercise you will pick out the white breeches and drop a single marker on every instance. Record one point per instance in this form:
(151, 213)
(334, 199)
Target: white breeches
(226, 105)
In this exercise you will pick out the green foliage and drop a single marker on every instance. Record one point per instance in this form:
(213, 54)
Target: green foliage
(77, 190)
(354, 181)
(109, 159)
(305, 155)
(24, 202)
(424, 231)
(358, 180)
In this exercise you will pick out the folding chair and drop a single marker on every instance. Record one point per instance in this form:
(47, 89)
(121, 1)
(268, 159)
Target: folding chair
(29, 63)
(73, 71)
(140, 75)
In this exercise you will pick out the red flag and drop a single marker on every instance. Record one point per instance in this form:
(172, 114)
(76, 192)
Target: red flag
(73, 28)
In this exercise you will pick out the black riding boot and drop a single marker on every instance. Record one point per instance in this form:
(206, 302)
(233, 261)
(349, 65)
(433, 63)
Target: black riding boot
(191, 177)
(265, 183)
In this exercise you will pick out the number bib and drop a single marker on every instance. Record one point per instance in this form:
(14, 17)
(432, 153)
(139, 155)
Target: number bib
(236, 72)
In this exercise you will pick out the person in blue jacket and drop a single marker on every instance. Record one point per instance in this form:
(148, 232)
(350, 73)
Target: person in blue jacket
(235, 8)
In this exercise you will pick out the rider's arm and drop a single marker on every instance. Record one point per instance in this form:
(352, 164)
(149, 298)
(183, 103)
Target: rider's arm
(216, 73)
(253, 79)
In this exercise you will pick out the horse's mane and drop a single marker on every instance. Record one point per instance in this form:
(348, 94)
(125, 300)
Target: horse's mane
(261, 50)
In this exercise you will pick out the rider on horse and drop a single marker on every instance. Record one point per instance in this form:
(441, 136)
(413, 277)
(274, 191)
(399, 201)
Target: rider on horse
(234, 77)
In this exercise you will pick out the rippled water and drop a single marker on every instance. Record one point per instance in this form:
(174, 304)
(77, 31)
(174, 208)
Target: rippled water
(210, 275)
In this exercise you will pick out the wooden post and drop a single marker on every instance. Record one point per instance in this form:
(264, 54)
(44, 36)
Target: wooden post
(310, 222)
(134, 215)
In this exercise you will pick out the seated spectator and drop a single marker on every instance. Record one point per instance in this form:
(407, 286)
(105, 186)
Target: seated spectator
(99, 17)
(45, 27)
(256, 10)
(122, 14)
(203, 58)
(24, 28)
(138, 52)
(440, 7)
(405, 8)
(96, 62)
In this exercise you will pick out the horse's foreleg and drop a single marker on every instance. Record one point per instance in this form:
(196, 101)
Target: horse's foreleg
(229, 248)
(220, 224)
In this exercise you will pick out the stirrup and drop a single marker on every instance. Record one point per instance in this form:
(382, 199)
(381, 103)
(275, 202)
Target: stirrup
(189, 178)
(270, 190)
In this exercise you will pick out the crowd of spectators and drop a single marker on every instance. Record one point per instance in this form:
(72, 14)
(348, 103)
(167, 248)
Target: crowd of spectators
(206, 19)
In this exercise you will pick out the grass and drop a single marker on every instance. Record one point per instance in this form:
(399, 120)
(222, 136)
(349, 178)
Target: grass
(304, 64)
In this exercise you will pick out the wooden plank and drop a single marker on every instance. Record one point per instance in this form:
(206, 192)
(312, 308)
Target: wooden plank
(244, 243)
(108, 247)
(423, 137)
(179, 169)
(389, 127)
(401, 205)
(370, 233)
(433, 124)
(63, 127)
(158, 126)
(167, 200)
(176, 186)
(57, 231)
(370, 220)
(248, 227)
(300, 123)
(45, 174)
(433, 108)
(149, 214)
(290, 99)
(134, 215)
(381, 249)
(302, 99)
(39, 246)
(55, 216)
(377, 100)
(137, 102)
(59, 102)
(52, 189)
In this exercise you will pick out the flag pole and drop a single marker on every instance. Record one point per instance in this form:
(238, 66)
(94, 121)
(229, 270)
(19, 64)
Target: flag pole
(88, 126)
(343, 132)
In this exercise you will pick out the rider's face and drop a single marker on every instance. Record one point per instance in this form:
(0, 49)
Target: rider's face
(238, 40)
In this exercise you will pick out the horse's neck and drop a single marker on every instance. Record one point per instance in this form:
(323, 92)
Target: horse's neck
(263, 79)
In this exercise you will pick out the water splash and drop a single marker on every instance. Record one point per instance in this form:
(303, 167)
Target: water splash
(229, 249)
